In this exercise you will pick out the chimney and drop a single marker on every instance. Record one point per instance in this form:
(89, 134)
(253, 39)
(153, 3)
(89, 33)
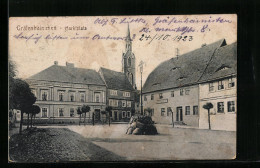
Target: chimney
(69, 65)
(55, 62)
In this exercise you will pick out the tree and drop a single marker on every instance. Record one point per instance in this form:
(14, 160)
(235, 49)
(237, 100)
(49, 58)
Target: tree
(21, 97)
(35, 110)
(149, 110)
(12, 75)
(109, 111)
(84, 110)
(79, 112)
(208, 106)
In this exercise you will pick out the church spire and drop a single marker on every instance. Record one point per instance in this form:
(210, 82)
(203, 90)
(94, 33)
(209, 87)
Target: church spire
(128, 40)
(128, 59)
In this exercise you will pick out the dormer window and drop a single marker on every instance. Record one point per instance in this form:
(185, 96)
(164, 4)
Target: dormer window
(175, 68)
(181, 78)
(156, 84)
(222, 67)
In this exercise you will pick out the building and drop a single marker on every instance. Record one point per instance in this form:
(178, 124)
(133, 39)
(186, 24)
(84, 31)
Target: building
(177, 88)
(218, 85)
(121, 87)
(60, 90)
(120, 94)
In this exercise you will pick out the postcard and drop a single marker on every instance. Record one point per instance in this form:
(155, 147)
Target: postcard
(122, 88)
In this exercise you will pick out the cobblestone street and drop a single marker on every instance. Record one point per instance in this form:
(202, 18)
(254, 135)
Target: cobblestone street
(104, 143)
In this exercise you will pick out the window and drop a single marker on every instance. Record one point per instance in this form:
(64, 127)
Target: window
(162, 111)
(123, 114)
(145, 98)
(195, 110)
(187, 110)
(160, 95)
(152, 96)
(71, 112)
(220, 85)
(152, 113)
(231, 82)
(110, 102)
(220, 107)
(187, 91)
(61, 95)
(211, 86)
(231, 106)
(126, 94)
(97, 97)
(129, 61)
(169, 111)
(113, 92)
(123, 103)
(115, 103)
(172, 93)
(128, 114)
(82, 97)
(72, 97)
(128, 103)
(44, 95)
(44, 112)
(61, 114)
(181, 92)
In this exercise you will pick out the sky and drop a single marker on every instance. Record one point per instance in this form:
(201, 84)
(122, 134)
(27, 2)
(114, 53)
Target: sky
(86, 51)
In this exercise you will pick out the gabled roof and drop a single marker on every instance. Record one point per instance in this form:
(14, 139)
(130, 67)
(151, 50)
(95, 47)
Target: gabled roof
(116, 80)
(69, 74)
(185, 70)
(223, 63)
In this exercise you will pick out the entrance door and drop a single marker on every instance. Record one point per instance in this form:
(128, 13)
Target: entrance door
(179, 116)
(115, 115)
(97, 114)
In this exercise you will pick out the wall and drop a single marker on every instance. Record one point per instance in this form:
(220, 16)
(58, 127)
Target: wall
(53, 103)
(219, 121)
(173, 102)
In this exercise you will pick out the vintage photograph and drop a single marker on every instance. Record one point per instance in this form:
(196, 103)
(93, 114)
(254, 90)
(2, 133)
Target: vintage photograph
(122, 88)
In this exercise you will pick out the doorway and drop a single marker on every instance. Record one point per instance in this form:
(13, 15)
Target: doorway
(97, 114)
(115, 115)
(179, 116)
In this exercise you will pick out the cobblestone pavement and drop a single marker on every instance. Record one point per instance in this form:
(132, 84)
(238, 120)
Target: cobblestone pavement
(55, 145)
(104, 143)
(170, 144)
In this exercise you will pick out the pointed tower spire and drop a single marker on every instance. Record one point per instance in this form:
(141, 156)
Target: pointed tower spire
(128, 59)
(128, 40)
(128, 33)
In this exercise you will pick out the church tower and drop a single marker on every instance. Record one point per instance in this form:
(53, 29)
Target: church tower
(128, 60)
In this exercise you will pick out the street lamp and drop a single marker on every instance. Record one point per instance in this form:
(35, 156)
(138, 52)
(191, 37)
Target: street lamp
(141, 70)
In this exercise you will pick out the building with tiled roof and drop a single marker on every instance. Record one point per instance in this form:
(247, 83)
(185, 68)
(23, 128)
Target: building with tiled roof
(173, 89)
(121, 88)
(120, 94)
(60, 90)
